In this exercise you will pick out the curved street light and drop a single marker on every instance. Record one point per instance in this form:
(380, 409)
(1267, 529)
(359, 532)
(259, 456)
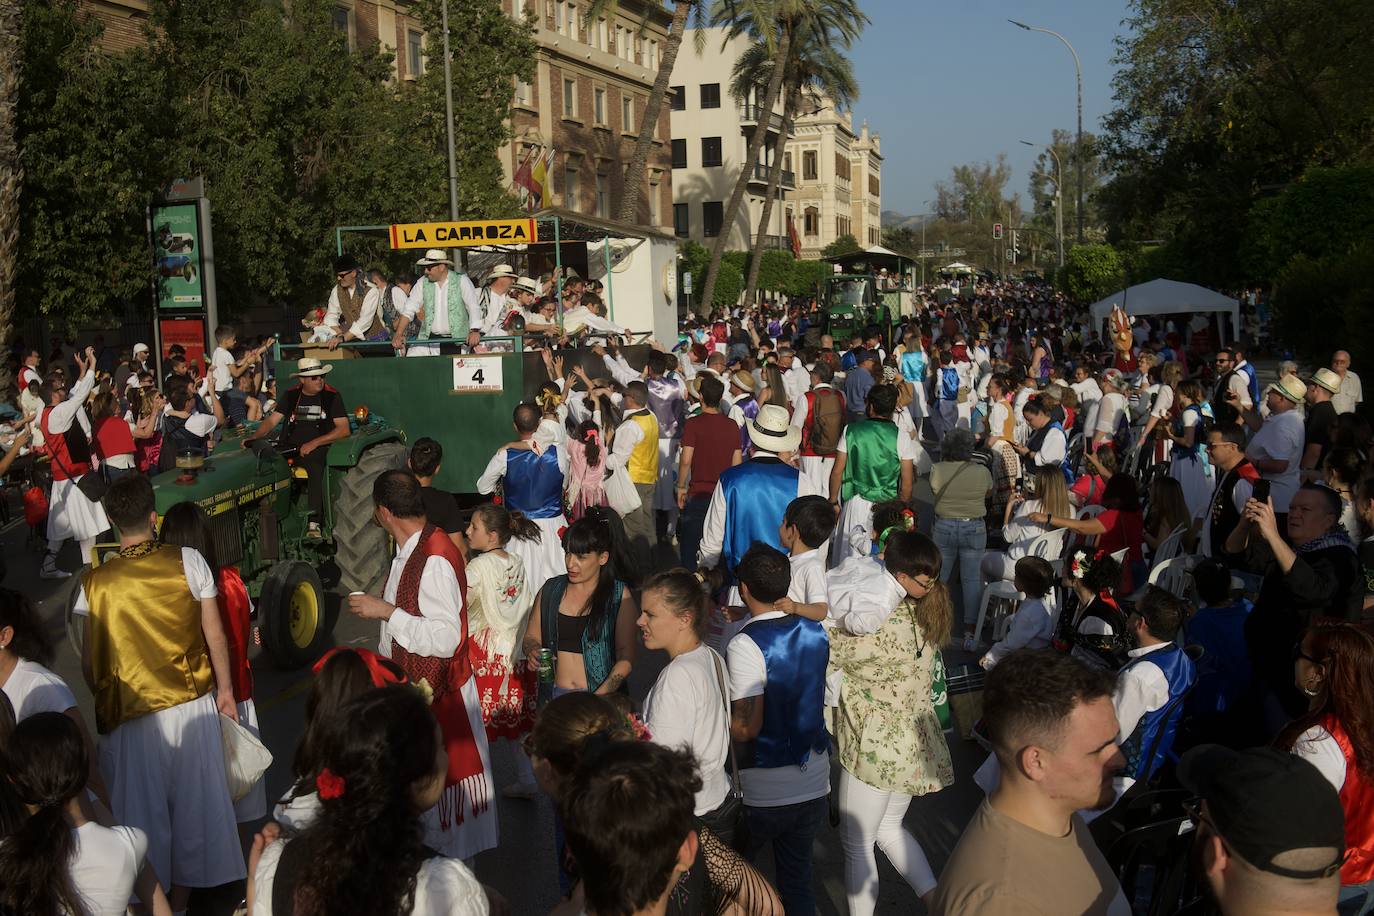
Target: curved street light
(1078, 145)
(1058, 200)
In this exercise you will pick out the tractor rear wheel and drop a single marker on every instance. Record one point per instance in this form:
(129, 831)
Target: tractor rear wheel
(360, 547)
(291, 615)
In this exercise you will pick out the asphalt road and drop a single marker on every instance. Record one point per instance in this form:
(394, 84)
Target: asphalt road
(522, 866)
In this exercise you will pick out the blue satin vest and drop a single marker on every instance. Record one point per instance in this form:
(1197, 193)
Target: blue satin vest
(795, 652)
(1156, 729)
(756, 496)
(668, 407)
(533, 483)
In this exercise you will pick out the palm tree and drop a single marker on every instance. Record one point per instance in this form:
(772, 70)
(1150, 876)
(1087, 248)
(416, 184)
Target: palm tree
(818, 72)
(11, 174)
(634, 173)
(774, 23)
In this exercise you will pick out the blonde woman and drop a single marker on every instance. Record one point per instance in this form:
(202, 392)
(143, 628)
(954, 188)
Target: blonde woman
(1049, 495)
(1163, 410)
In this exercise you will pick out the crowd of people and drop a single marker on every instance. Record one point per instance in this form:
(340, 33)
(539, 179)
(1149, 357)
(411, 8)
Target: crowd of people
(1161, 567)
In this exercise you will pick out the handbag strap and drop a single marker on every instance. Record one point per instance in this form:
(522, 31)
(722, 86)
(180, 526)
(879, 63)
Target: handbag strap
(725, 698)
(945, 486)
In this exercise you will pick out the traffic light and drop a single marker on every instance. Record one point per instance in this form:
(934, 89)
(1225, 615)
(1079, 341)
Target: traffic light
(997, 230)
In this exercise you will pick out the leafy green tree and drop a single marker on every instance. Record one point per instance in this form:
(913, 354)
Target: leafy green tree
(729, 284)
(807, 276)
(845, 244)
(1091, 272)
(976, 192)
(11, 175)
(1045, 174)
(1320, 215)
(774, 271)
(1338, 288)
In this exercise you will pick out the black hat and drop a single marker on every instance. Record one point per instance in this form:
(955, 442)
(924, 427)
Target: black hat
(1265, 802)
(344, 263)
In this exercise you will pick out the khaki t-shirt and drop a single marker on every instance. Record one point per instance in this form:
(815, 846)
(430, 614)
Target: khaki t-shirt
(965, 491)
(1001, 866)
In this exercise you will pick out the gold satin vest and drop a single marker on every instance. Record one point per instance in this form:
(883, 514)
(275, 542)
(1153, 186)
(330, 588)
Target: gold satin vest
(643, 463)
(147, 649)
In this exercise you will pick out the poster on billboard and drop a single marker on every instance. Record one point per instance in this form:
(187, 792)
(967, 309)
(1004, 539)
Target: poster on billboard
(190, 334)
(177, 254)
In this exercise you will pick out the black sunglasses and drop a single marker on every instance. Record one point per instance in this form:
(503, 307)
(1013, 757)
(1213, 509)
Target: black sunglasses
(1298, 653)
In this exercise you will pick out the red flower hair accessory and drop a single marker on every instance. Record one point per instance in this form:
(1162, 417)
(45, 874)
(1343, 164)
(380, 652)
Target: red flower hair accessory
(638, 727)
(329, 784)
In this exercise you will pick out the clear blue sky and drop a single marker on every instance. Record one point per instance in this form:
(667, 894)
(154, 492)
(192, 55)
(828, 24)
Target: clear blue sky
(993, 84)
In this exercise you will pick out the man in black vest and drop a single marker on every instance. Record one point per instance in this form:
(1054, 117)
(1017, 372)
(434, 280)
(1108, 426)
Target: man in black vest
(1230, 378)
(1236, 478)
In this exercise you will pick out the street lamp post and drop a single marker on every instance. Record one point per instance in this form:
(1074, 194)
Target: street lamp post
(448, 121)
(1078, 145)
(1058, 200)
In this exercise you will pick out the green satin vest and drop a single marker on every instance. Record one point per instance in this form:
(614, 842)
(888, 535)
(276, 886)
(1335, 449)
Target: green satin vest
(871, 469)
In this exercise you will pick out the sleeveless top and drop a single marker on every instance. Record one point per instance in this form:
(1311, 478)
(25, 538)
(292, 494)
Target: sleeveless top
(597, 643)
(872, 469)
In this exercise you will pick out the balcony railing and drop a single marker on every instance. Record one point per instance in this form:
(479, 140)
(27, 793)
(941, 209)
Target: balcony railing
(750, 115)
(787, 180)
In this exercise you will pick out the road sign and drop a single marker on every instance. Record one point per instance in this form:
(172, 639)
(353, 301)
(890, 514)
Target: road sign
(687, 282)
(997, 230)
(465, 233)
(945, 253)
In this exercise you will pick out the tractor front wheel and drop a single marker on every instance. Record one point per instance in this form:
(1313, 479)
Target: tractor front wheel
(291, 615)
(360, 547)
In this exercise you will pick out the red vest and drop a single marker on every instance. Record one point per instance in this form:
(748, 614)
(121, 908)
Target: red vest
(234, 610)
(64, 467)
(808, 427)
(1357, 799)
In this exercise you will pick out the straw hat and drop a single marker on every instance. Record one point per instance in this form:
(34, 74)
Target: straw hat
(772, 431)
(528, 285)
(499, 271)
(1325, 378)
(1291, 387)
(743, 378)
(309, 367)
(435, 256)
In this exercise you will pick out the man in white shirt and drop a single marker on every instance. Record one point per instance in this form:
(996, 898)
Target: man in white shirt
(1105, 417)
(424, 629)
(1158, 672)
(445, 304)
(795, 378)
(1350, 394)
(1276, 447)
(1086, 388)
(354, 310)
(777, 688)
(497, 298)
(67, 431)
(1047, 445)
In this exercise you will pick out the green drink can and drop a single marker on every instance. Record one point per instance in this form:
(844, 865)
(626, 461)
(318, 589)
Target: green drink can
(546, 666)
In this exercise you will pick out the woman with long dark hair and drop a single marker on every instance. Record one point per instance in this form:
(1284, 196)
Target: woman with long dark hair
(58, 862)
(383, 763)
(1120, 526)
(587, 616)
(186, 525)
(1333, 665)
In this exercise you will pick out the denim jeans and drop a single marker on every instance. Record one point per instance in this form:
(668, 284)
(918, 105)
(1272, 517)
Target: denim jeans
(791, 829)
(691, 523)
(961, 546)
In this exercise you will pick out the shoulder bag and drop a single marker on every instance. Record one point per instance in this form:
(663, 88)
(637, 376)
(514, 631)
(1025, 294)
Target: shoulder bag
(93, 486)
(726, 820)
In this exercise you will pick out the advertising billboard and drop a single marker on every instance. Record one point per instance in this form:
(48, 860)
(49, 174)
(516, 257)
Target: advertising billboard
(178, 256)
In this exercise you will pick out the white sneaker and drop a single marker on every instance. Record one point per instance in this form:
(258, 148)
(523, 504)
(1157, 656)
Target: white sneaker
(50, 571)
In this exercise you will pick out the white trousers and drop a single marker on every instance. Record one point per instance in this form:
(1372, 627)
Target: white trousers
(870, 817)
(816, 470)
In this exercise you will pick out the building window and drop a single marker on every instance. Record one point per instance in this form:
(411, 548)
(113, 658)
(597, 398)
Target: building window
(565, 18)
(679, 153)
(682, 226)
(415, 53)
(809, 169)
(710, 95)
(811, 221)
(842, 166)
(651, 54)
(603, 195)
(873, 185)
(679, 98)
(599, 107)
(787, 162)
(524, 93)
(342, 18)
(841, 226)
(569, 98)
(710, 151)
(655, 201)
(602, 40)
(712, 216)
(570, 187)
(627, 112)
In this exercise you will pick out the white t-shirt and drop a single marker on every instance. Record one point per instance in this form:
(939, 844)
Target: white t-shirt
(220, 361)
(808, 577)
(198, 577)
(1280, 438)
(773, 786)
(105, 863)
(685, 709)
(1164, 402)
(1319, 748)
(32, 689)
(1109, 411)
(443, 887)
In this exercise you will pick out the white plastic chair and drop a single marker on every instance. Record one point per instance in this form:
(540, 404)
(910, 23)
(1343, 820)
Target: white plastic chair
(1049, 547)
(1172, 575)
(1091, 511)
(1001, 590)
(1170, 547)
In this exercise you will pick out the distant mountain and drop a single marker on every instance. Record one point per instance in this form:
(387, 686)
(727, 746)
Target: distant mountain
(891, 219)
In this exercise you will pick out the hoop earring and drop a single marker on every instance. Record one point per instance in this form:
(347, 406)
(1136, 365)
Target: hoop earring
(1310, 692)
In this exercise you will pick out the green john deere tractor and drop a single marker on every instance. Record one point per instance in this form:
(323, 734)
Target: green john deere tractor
(256, 500)
(850, 303)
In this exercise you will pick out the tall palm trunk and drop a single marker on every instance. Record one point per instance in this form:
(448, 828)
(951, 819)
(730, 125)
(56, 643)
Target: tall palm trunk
(751, 155)
(789, 110)
(11, 175)
(634, 176)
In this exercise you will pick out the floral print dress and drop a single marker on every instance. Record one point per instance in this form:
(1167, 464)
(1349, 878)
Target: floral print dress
(887, 730)
(499, 603)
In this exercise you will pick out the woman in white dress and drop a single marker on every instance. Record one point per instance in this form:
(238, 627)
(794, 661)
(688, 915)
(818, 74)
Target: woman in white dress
(57, 860)
(1188, 461)
(499, 600)
(383, 764)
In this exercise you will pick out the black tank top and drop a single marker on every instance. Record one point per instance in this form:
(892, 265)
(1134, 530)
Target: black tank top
(570, 630)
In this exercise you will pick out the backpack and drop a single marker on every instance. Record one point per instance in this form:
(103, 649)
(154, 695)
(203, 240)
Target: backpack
(824, 421)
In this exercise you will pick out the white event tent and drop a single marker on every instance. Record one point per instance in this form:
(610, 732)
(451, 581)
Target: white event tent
(1168, 297)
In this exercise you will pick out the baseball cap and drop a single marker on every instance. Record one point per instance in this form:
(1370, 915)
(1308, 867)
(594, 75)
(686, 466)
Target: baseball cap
(1266, 804)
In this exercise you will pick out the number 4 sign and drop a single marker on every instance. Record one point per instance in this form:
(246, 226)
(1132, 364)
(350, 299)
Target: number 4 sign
(477, 373)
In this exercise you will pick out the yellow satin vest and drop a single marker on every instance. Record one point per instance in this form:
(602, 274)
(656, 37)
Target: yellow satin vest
(643, 464)
(147, 649)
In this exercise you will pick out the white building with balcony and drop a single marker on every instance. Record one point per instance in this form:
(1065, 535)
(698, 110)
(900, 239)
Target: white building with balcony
(838, 189)
(710, 139)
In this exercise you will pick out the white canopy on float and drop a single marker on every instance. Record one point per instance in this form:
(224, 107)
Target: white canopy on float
(1168, 297)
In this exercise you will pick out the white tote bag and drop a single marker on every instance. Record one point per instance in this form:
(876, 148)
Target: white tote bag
(621, 494)
(245, 757)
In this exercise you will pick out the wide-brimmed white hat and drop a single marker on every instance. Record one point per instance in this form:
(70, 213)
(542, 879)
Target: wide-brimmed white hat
(527, 285)
(1290, 387)
(499, 271)
(435, 256)
(1325, 378)
(309, 367)
(772, 431)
